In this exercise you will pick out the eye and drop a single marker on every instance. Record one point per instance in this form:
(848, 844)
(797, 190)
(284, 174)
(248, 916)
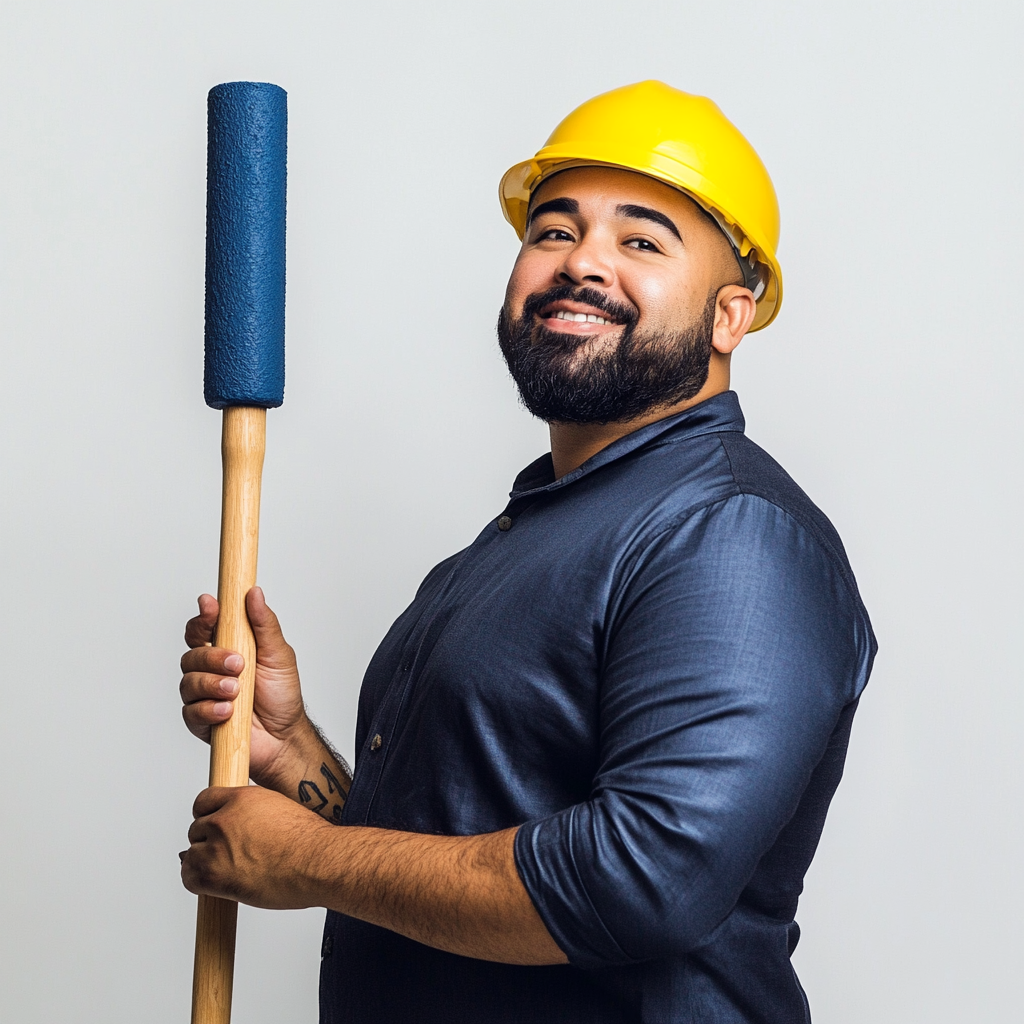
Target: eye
(642, 244)
(553, 235)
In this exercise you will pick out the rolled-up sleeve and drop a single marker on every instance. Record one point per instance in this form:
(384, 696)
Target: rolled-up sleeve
(732, 644)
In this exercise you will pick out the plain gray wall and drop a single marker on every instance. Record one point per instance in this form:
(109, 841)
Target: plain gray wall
(888, 387)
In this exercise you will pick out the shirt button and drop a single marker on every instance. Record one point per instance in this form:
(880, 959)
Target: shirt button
(376, 742)
(505, 523)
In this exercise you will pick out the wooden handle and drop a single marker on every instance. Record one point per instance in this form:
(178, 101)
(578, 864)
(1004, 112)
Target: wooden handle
(242, 446)
(214, 967)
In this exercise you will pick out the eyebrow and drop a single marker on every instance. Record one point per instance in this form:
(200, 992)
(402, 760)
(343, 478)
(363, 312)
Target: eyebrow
(646, 213)
(563, 205)
(566, 205)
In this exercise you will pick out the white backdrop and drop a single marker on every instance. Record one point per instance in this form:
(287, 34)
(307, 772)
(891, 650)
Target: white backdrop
(888, 387)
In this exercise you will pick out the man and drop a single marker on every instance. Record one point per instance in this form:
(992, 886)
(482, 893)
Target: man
(596, 752)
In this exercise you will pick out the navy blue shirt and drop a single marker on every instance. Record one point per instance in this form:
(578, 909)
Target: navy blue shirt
(651, 665)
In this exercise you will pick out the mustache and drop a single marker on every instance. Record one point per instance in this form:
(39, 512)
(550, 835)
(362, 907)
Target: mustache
(618, 312)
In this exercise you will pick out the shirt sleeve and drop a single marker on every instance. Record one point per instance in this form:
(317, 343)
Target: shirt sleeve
(733, 645)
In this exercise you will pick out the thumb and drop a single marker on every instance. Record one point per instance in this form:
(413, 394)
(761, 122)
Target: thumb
(272, 650)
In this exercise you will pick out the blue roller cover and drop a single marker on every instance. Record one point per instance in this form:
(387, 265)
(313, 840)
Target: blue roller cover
(245, 217)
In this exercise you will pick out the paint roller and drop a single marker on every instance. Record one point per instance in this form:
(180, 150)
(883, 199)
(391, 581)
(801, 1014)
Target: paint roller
(245, 233)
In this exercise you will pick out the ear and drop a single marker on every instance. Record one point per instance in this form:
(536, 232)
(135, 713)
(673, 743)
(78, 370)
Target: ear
(734, 313)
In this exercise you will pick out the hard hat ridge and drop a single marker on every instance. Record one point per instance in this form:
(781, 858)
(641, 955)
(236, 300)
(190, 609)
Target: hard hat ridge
(684, 141)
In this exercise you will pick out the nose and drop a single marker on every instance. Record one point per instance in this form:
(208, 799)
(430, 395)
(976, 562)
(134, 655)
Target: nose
(588, 262)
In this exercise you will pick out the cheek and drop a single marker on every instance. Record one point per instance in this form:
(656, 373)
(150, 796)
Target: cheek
(663, 300)
(531, 273)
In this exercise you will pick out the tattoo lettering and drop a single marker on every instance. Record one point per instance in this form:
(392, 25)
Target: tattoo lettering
(309, 792)
(307, 789)
(333, 785)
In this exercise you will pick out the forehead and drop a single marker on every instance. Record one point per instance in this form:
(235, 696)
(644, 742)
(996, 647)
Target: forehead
(595, 188)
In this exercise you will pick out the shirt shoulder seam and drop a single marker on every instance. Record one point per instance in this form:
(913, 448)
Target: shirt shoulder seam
(806, 526)
(805, 523)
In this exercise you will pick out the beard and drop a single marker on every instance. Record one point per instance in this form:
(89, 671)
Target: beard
(558, 383)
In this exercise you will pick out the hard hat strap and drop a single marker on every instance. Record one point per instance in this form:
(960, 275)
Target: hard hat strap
(755, 273)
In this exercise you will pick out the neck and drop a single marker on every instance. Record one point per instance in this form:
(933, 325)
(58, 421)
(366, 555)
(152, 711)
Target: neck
(573, 443)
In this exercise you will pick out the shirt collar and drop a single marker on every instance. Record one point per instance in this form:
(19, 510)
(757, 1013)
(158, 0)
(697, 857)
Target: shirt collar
(717, 414)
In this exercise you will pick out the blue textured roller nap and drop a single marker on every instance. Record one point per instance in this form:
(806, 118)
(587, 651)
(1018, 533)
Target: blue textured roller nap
(245, 223)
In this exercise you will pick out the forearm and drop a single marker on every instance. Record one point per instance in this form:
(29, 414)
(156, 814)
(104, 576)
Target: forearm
(461, 894)
(310, 771)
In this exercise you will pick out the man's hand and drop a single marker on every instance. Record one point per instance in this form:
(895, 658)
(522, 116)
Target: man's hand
(209, 685)
(457, 893)
(257, 847)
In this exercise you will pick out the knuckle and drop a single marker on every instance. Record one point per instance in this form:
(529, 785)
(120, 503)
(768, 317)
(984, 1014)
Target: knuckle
(201, 872)
(200, 686)
(191, 687)
(197, 723)
(199, 660)
(197, 632)
(191, 660)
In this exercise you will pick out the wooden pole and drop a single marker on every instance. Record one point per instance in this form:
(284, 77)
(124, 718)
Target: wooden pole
(242, 446)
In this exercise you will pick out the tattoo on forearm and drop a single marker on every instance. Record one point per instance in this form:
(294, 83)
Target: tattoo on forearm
(309, 792)
(335, 788)
(330, 806)
(333, 785)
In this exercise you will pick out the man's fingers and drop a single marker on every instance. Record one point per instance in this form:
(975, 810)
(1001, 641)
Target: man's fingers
(212, 799)
(197, 686)
(199, 871)
(204, 714)
(212, 660)
(200, 630)
(273, 651)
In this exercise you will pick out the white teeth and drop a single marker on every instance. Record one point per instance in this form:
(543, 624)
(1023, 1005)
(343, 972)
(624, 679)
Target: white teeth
(581, 318)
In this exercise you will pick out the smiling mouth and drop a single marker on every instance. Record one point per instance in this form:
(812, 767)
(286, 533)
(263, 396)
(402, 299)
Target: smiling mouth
(580, 318)
(582, 315)
(579, 313)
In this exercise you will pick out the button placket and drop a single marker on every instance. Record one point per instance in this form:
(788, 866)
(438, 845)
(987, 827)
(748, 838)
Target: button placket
(390, 712)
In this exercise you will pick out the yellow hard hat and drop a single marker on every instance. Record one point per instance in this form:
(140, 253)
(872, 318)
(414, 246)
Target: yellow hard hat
(683, 140)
